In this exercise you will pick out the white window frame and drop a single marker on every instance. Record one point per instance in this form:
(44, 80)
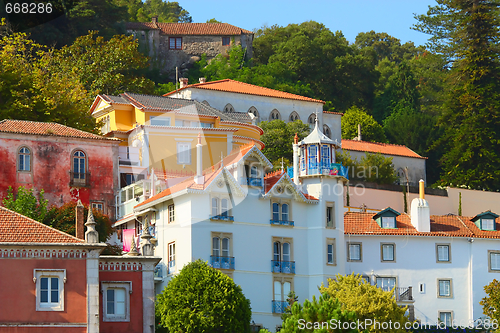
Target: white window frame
(446, 312)
(331, 250)
(384, 280)
(171, 264)
(490, 225)
(38, 274)
(388, 222)
(439, 257)
(183, 152)
(360, 250)
(446, 283)
(159, 121)
(127, 286)
(281, 214)
(171, 213)
(25, 157)
(95, 205)
(219, 207)
(330, 223)
(386, 250)
(492, 269)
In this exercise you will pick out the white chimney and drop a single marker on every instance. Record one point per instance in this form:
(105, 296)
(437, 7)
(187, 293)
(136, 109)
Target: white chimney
(199, 178)
(183, 82)
(296, 159)
(420, 213)
(202, 80)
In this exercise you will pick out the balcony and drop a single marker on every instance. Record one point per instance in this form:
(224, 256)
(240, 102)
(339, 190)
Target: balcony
(78, 179)
(222, 262)
(315, 168)
(279, 306)
(401, 294)
(128, 155)
(171, 267)
(132, 195)
(222, 218)
(250, 181)
(287, 267)
(281, 222)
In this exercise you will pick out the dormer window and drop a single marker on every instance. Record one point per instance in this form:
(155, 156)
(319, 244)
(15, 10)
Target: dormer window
(386, 219)
(485, 221)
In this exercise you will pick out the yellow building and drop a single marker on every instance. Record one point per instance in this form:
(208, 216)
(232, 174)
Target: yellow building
(161, 133)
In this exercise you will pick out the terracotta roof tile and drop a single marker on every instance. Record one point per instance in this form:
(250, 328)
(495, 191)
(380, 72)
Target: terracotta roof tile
(356, 223)
(229, 85)
(179, 29)
(271, 179)
(376, 147)
(17, 228)
(47, 129)
(331, 112)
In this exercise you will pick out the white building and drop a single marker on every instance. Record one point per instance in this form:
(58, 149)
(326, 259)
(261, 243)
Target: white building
(263, 104)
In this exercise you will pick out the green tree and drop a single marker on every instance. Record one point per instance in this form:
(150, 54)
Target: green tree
(366, 300)
(25, 202)
(203, 299)
(471, 118)
(491, 303)
(108, 67)
(213, 20)
(370, 129)
(64, 219)
(386, 46)
(326, 309)
(374, 168)
(32, 86)
(278, 138)
(170, 12)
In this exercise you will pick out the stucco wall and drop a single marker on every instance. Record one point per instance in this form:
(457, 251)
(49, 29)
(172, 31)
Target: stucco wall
(51, 163)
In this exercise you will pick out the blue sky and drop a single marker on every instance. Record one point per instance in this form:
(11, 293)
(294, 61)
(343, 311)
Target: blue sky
(349, 16)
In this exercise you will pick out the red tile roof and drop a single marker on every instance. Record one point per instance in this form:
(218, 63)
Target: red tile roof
(47, 129)
(17, 228)
(376, 147)
(356, 223)
(180, 29)
(229, 85)
(273, 177)
(331, 112)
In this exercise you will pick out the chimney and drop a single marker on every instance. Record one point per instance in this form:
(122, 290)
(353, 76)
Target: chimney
(183, 82)
(296, 159)
(80, 220)
(199, 178)
(154, 19)
(91, 236)
(359, 132)
(420, 212)
(202, 80)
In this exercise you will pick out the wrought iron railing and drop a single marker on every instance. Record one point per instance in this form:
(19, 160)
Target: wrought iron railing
(287, 267)
(281, 222)
(222, 262)
(251, 181)
(79, 179)
(222, 218)
(401, 293)
(279, 306)
(315, 168)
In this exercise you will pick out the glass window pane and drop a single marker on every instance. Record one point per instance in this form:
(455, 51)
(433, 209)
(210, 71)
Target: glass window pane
(330, 253)
(286, 289)
(276, 216)
(277, 291)
(44, 283)
(388, 252)
(224, 206)
(388, 222)
(277, 251)
(44, 296)
(225, 247)
(284, 212)
(286, 251)
(216, 247)
(120, 302)
(215, 206)
(495, 261)
(354, 252)
(443, 253)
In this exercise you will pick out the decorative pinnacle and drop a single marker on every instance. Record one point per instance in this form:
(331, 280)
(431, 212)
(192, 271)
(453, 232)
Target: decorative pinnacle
(199, 138)
(145, 231)
(90, 224)
(133, 248)
(79, 203)
(296, 139)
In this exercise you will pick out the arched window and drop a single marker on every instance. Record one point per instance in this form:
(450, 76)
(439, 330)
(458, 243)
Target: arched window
(79, 167)
(326, 131)
(206, 103)
(24, 159)
(294, 116)
(253, 111)
(284, 212)
(311, 120)
(228, 108)
(275, 115)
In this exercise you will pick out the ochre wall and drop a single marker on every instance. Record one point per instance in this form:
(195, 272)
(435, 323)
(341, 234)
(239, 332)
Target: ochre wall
(136, 318)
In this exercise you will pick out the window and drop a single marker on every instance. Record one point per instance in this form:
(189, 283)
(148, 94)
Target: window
(221, 209)
(386, 283)
(388, 222)
(354, 252)
(330, 252)
(281, 289)
(387, 252)
(49, 289)
(311, 120)
(275, 114)
(446, 317)
(326, 131)
(282, 256)
(294, 116)
(159, 121)
(116, 300)
(183, 153)
(444, 288)
(24, 161)
(330, 215)
(443, 253)
(487, 224)
(171, 258)
(171, 213)
(228, 108)
(494, 261)
(325, 156)
(280, 213)
(254, 114)
(79, 177)
(175, 43)
(226, 41)
(98, 206)
(222, 251)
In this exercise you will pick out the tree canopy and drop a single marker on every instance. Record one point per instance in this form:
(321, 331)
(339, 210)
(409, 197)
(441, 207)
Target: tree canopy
(25, 202)
(370, 129)
(491, 303)
(202, 299)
